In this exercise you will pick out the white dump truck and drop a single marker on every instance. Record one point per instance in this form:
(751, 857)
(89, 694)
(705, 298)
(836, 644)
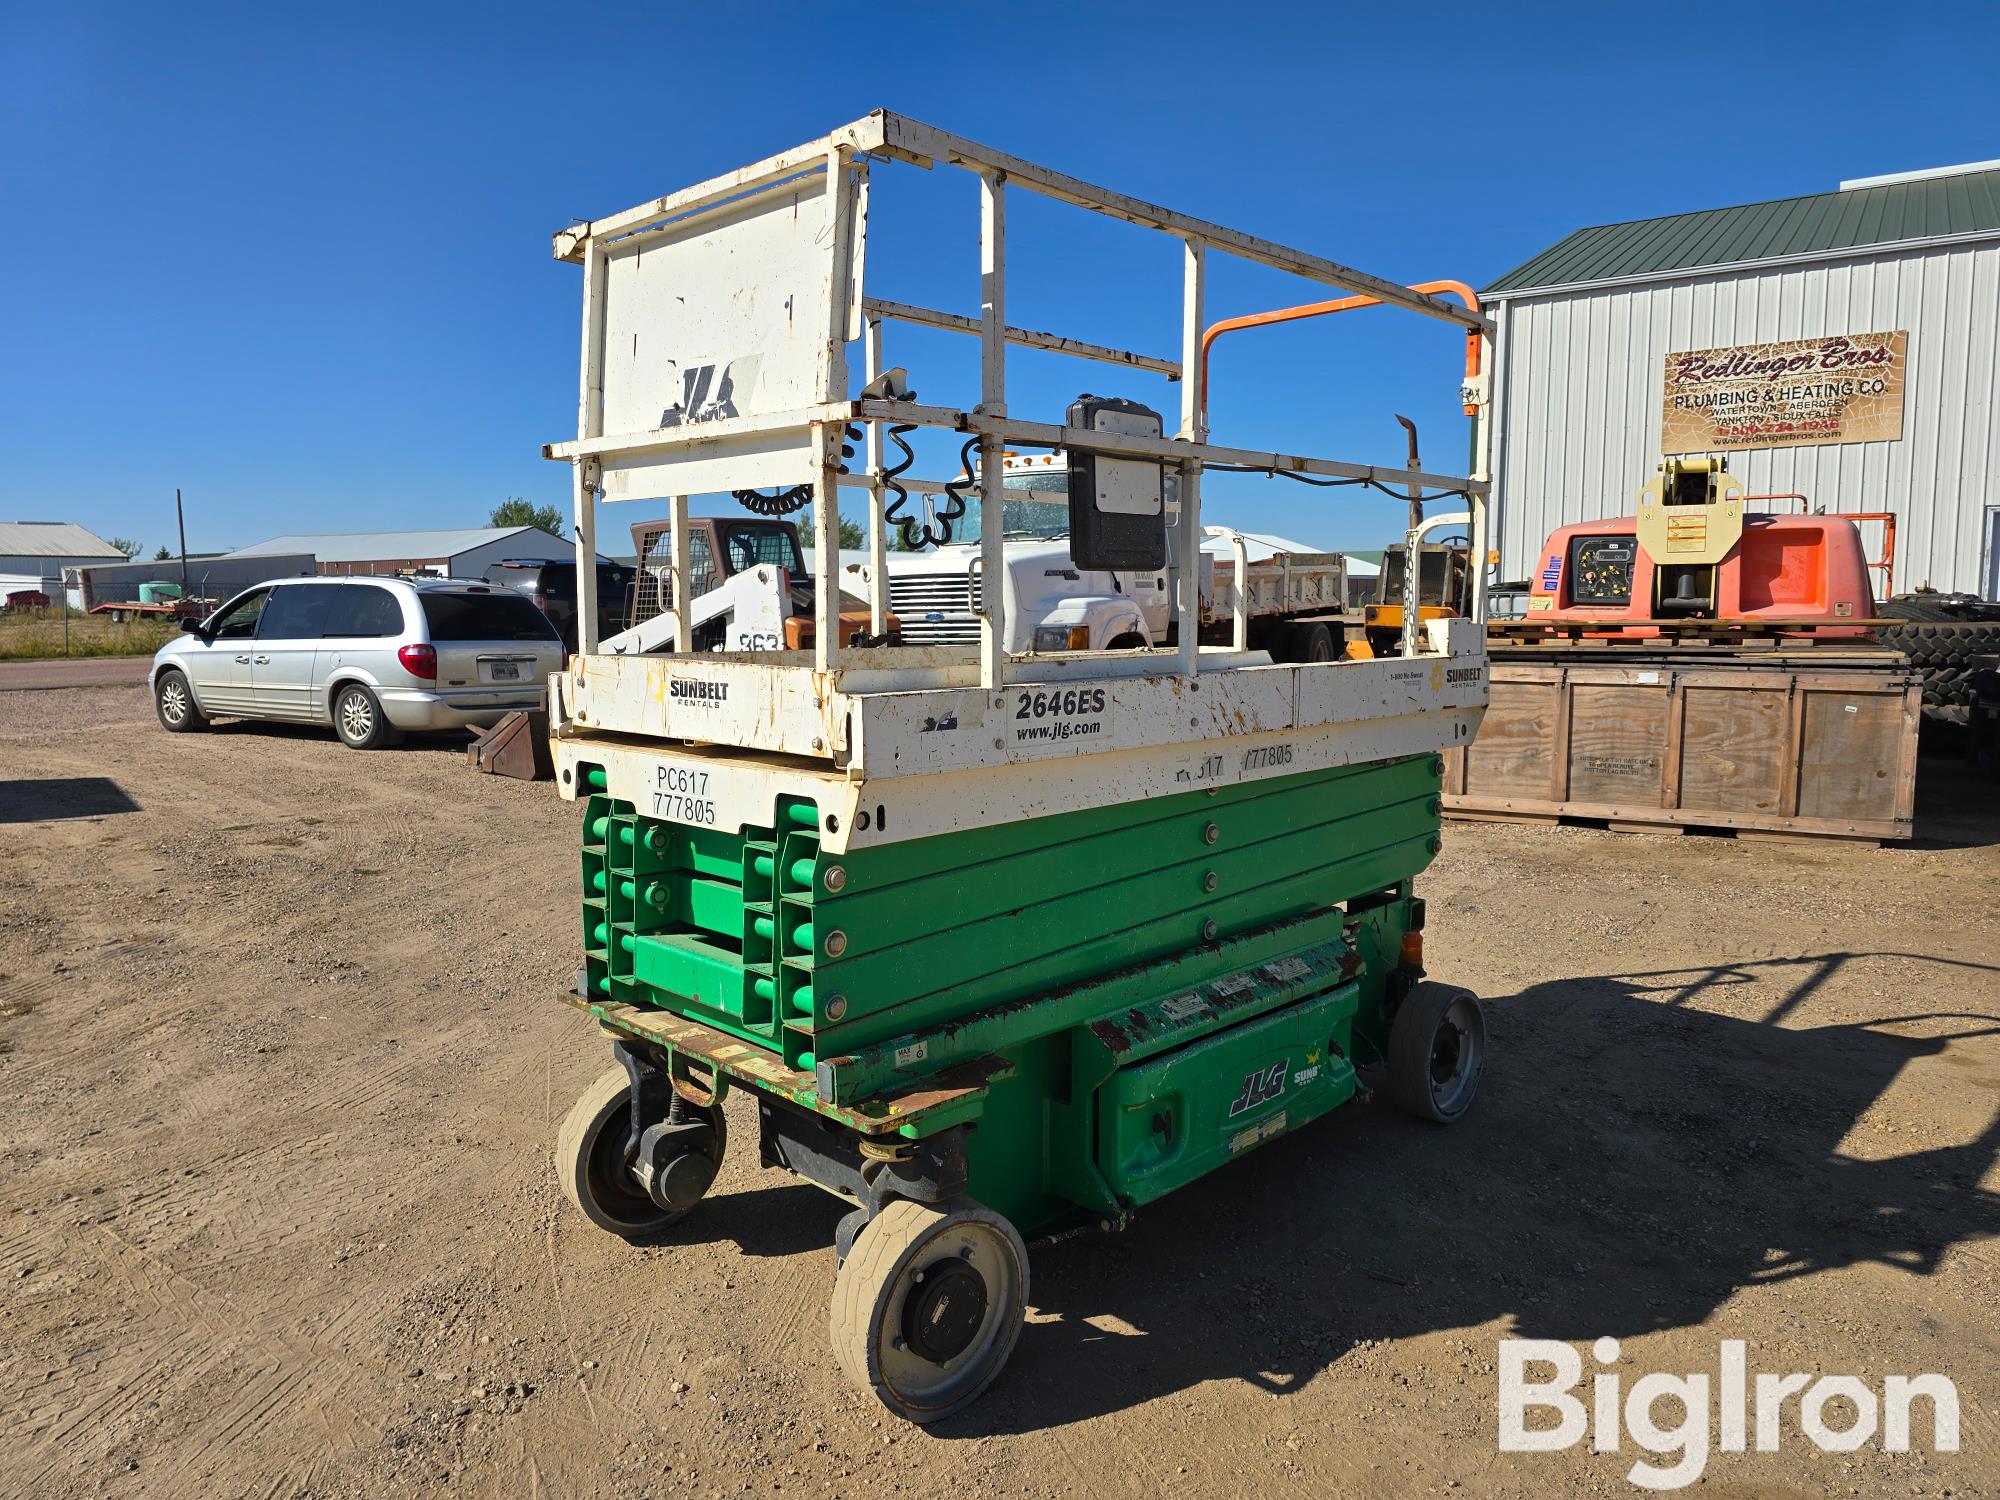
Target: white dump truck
(1293, 601)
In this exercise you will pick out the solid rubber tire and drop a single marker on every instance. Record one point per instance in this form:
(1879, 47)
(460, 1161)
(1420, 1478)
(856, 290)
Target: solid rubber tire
(1411, 1037)
(601, 1107)
(886, 1245)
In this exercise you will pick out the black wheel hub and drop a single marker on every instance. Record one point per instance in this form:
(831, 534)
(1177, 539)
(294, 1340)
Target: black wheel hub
(1446, 1049)
(945, 1310)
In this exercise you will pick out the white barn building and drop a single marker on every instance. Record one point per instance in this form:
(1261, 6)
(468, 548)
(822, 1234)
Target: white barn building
(1629, 340)
(462, 552)
(33, 555)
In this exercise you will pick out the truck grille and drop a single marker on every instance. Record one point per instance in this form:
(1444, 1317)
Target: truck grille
(936, 608)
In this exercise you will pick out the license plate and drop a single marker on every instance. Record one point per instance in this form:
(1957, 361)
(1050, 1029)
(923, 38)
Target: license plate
(505, 671)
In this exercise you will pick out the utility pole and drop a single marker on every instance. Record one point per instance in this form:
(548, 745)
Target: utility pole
(181, 520)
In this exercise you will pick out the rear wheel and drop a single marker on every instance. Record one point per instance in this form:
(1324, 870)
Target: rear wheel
(174, 701)
(928, 1305)
(358, 718)
(1437, 1051)
(1311, 643)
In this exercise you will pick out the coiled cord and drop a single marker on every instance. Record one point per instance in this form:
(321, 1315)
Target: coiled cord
(915, 532)
(777, 503)
(937, 532)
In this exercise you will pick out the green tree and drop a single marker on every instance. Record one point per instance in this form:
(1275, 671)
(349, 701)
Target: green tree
(165, 554)
(514, 511)
(127, 546)
(854, 536)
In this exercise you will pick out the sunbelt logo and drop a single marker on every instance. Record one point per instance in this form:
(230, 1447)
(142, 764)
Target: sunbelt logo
(1682, 1418)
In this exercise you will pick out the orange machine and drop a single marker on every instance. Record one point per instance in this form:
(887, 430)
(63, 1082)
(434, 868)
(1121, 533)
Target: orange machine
(1692, 556)
(1700, 664)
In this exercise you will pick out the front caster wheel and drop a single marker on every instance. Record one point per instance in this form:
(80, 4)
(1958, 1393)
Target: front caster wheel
(928, 1305)
(1437, 1050)
(596, 1162)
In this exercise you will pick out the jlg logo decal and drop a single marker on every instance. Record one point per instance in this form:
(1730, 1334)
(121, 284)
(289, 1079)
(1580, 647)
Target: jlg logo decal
(1260, 1086)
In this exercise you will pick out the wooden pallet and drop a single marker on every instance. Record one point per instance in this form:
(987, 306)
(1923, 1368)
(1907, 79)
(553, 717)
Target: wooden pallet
(1648, 822)
(1683, 635)
(1825, 750)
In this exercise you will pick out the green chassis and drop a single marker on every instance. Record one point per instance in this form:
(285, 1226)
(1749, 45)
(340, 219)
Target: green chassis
(1072, 1013)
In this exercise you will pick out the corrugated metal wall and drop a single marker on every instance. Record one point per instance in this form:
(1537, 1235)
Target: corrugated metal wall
(1580, 400)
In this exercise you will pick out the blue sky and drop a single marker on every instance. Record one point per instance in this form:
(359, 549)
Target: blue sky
(295, 260)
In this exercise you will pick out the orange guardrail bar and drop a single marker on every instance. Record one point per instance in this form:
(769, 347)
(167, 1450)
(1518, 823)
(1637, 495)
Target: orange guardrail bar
(1342, 304)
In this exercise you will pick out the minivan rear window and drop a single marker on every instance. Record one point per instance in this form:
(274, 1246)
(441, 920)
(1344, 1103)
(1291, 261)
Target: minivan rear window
(500, 616)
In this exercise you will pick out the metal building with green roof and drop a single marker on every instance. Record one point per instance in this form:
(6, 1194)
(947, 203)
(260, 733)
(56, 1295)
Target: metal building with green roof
(1768, 331)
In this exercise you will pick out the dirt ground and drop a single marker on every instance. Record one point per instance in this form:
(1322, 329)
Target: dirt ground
(282, 1071)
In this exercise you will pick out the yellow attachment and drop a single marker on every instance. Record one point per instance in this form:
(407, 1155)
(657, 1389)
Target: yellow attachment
(1390, 616)
(1684, 522)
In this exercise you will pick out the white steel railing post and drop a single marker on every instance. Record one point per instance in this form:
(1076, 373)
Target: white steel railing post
(589, 424)
(826, 547)
(1239, 592)
(1193, 429)
(583, 505)
(1240, 555)
(992, 403)
(826, 438)
(878, 563)
(677, 572)
(1413, 578)
(1481, 501)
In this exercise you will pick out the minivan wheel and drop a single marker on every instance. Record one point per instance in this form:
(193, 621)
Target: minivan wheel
(174, 701)
(358, 718)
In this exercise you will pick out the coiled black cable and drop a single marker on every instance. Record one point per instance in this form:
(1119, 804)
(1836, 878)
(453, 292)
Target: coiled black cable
(892, 513)
(777, 503)
(937, 532)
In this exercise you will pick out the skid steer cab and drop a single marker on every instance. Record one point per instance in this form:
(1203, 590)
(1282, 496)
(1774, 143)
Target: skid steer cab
(1444, 592)
(749, 590)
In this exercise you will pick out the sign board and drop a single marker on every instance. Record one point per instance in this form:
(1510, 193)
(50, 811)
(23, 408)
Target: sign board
(728, 316)
(1843, 388)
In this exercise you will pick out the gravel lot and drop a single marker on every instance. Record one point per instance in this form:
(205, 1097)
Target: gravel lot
(280, 1070)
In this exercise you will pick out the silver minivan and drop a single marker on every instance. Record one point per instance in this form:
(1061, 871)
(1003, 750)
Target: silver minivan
(370, 656)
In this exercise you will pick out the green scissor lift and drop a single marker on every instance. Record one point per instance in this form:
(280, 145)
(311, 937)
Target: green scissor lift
(985, 1035)
(999, 935)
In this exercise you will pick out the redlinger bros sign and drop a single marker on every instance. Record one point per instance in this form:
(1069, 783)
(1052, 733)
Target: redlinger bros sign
(1843, 388)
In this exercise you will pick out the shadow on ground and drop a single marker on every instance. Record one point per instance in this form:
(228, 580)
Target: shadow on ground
(1633, 1162)
(451, 742)
(63, 797)
(1955, 804)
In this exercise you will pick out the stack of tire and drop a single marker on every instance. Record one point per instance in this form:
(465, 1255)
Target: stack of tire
(1942, 634)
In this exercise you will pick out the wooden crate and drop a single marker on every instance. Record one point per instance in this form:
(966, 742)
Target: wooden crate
(1823, 747)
